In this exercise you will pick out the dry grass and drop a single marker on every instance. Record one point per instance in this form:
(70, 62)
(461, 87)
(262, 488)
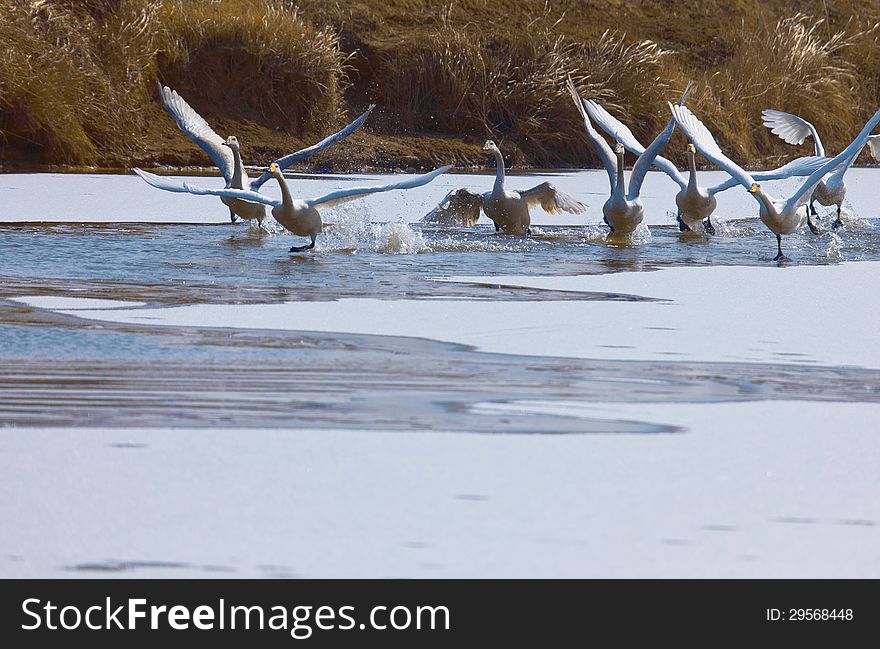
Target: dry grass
(465, 79)
(78, 80)
(793, 65)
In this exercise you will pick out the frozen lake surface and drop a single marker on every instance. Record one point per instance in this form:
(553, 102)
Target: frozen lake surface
(179, 396)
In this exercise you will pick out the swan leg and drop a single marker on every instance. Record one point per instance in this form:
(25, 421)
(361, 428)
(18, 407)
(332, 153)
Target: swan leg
(682, 226)
(528, 232)
(837, 222)
(708, 227)
(308, 246)
(779, 256)
(231, 215)
(497, 227)
(811, 212)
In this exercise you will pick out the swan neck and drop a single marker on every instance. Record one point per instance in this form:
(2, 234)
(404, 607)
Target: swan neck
(236, 169)
(765, 200)
(619, 187)
(499, 173)
(286, 198)
(692, 167)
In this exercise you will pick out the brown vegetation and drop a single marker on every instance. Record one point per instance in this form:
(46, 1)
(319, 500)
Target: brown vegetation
(77, 84)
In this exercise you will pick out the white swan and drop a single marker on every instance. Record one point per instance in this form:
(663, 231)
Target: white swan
(780, 216)
(831, 190)
(299, 216)
(695, 203)
(508, 210)
(623, 211)
(226, 154)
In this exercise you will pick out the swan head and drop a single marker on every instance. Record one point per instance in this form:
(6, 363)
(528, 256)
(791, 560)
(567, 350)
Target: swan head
(231, 142)
(755, 188)
(691, 148)
(273, 169)
(618, 148)
(490, 146)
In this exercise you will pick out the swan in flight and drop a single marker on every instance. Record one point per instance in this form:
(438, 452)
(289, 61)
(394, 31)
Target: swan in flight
(831, 190)
(623, 211)
(226, 154)
(508, 210)
(781, 216)
(695, 203)
(299, 216)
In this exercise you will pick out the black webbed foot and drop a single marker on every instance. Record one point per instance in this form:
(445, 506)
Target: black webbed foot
(682, 226)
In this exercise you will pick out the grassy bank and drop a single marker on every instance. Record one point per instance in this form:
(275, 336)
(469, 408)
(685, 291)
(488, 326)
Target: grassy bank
(78, 82)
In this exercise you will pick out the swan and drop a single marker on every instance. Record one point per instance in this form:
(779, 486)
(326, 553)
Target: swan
(695, 203)
(781, 216)
(508, 210)
(299, 216)
(226, 154)
(831, 190)
(623, 211)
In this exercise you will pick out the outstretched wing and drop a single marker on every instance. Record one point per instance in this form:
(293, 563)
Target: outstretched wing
(302, 154)
(800, 196)
(170, 185)
(791, 128)
(702, 139)
(620, 132)
(552, 200)
(648, 158)
(606, 155)
(343, 195)
(458, 207)
(198, 130)
(797, 167)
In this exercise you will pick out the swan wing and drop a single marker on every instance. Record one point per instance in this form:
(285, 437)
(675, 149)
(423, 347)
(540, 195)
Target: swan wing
(344, 195)
(619, 131)
(302, 154)
(170, 185)
(705, 143)
(198, 130)
(803, 192)
(458, 207)
(552, 200)
(791, 128)
(647, 159)
(606, 155)
(798, 167)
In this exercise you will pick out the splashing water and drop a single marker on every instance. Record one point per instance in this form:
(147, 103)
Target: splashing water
(351, 228)
(268, 226)
(638, 237)
(400, 239)
(833, 249)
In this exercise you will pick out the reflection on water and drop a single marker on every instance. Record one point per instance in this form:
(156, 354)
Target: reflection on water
(59, 370)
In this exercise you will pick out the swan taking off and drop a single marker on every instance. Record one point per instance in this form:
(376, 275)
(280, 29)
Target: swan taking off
(299, 216)
(831, 190)
(508, 209)
(623, 211)
(226, 154)
(780, 216)
(695, 203)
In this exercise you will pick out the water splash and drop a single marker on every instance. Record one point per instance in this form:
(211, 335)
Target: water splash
(351, 227)
(832, 251)
(400, 239)
(638, 237)
(269, 226)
